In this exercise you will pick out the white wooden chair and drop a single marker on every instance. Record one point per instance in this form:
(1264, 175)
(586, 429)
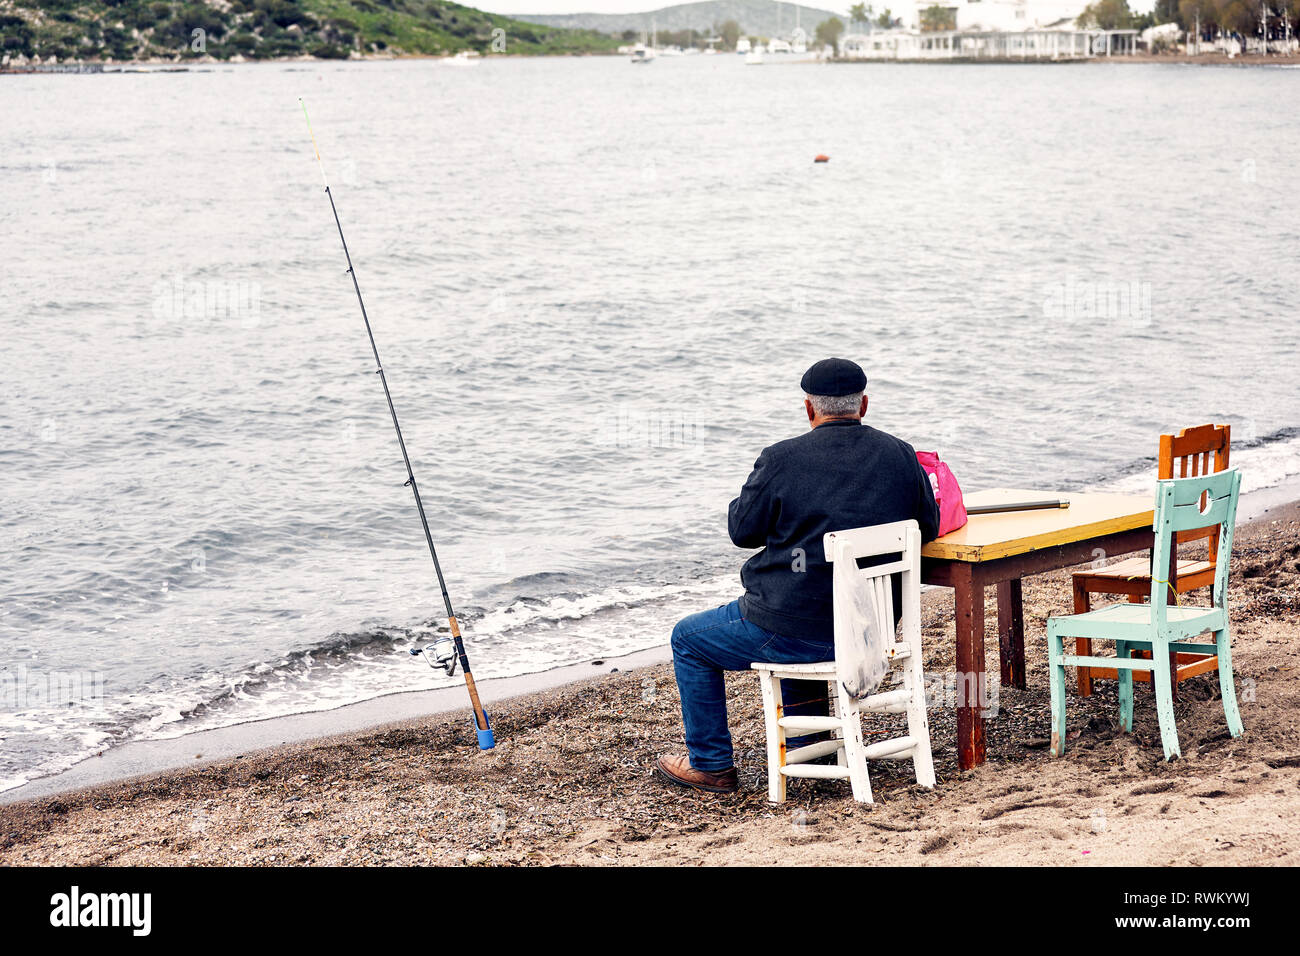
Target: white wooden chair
(900, 537)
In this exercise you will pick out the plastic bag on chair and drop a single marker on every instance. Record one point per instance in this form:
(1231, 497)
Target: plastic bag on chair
(860, 642)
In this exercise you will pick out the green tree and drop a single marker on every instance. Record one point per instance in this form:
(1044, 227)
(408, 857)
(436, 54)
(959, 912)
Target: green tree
(1237, 16)
(935, 17)
(1166, 11)
(886, 19)
(15, 36)
(859, 13)
(828, 33)
(1106, 15)
(730, 33)
(1194, 12)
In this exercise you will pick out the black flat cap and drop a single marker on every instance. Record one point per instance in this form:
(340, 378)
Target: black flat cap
(833, 377)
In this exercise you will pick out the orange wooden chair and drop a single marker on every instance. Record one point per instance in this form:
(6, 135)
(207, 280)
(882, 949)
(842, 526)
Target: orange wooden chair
(1190, 453)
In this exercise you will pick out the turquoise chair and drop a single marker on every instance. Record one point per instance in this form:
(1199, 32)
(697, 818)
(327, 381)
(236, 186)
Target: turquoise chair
(1157, 627)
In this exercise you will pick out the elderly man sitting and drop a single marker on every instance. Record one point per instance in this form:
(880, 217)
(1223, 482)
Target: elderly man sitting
(841, 474)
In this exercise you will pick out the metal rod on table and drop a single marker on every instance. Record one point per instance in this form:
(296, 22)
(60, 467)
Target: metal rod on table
(1043, 505)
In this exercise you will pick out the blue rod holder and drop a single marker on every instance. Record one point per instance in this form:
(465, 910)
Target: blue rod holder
(485, 739)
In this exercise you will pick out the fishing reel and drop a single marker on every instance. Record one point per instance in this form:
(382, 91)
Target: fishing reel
(441, 653)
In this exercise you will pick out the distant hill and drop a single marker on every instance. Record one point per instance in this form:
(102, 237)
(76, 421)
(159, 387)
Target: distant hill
(270, 29)
(761, 17)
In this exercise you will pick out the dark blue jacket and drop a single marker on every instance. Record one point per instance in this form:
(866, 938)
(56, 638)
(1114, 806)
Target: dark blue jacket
(842, 474)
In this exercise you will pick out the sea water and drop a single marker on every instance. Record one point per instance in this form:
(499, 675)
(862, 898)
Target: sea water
(594, 289)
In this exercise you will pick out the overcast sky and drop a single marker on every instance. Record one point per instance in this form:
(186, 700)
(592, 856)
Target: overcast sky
(510, 7)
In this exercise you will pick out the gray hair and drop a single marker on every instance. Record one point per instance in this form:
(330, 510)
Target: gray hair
(831, 406)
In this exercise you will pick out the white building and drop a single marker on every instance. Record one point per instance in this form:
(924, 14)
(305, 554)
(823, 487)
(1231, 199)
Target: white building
(1000, 45)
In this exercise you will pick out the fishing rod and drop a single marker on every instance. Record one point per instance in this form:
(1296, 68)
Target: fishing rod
(443, 652)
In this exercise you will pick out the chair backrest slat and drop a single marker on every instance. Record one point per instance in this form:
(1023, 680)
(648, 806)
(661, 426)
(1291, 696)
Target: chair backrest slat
(878, 588)
(1193, 503)
(1193, 453)
(888, 616)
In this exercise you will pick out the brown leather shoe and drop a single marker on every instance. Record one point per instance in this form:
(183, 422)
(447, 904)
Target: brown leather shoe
(676, 768)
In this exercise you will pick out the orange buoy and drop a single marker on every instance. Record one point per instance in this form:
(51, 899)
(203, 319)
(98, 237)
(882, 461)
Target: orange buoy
(822, 158)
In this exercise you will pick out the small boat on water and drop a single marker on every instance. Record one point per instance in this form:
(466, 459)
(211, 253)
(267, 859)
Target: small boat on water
(645, 52)
(463, 58)
(754, 58)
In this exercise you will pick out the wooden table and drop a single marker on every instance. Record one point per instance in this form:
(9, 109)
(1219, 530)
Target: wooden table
(999, 549)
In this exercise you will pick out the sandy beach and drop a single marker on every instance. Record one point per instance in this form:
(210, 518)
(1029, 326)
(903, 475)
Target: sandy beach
(570, 781)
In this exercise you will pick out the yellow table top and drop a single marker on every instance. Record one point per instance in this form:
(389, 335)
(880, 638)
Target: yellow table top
(1091, 514)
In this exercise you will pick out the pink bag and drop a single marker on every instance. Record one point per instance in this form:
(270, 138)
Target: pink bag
(947, 493)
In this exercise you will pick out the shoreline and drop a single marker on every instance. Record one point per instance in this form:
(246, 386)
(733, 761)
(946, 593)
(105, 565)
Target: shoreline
(139, 758)
(1131, 59)
(142, 758)
(571, 780)
(203, 64)
(101, 67)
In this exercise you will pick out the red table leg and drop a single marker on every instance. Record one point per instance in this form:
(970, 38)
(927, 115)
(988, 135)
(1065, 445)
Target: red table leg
(1011, 633)
(968, 599)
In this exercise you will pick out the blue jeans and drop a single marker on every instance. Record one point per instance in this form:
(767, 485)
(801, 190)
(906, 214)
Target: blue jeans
(708, 643)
